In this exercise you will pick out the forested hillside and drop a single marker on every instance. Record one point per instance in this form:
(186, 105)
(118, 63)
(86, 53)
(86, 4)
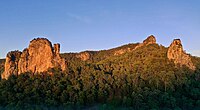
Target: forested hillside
(141, 79)
(96, 56)
(2, 61)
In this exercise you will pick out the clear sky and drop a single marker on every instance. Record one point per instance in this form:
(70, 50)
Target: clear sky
(98, 24)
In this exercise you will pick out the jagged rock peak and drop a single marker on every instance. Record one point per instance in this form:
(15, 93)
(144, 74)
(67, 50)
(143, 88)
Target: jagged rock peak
(40, 39)
(14, 55)
(178, 55)
(150, 40)
(57, 49)
(177, 42)
(38, 57)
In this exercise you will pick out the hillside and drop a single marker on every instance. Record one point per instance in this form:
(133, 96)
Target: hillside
(95, 56)
(134, 76)
(2, 61)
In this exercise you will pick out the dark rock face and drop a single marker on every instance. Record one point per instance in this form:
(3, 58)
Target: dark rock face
(176, 53)
(38, 57)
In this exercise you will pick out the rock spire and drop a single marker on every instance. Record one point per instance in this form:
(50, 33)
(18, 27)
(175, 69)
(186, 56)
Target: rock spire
(178, 55)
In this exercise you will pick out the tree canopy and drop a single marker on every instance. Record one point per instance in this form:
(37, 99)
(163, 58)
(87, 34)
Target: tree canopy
(140, 79)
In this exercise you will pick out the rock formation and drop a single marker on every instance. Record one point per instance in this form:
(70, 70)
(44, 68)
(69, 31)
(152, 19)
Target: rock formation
(11, 64)
(150, 40)
(176, 53)
(122, 51)
(38, 57)
(83, 56)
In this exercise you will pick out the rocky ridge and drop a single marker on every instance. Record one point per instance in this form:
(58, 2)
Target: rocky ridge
(38, 57)
(41, 56)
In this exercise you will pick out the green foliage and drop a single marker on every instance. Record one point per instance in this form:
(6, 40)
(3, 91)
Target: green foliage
(141, 79)
(2, 61)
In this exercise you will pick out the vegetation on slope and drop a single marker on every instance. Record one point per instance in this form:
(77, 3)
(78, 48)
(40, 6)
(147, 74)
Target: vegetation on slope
(141, 79)
(2, 62)
(96, 56)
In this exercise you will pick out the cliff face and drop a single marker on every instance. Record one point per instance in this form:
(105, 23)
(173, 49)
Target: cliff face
(11, 64)
(38, 57)
(176, 53)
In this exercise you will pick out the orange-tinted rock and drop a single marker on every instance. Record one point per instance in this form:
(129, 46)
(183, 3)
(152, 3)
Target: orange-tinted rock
(11, 63)
(122, 51)
(150, 40)
(83, 56)
(57, 49)
(38, 57)
(176, 53)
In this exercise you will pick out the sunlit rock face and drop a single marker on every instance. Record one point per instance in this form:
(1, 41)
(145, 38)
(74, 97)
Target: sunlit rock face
(83, 56)
(11, 64)
(176, 53)
(122, 51)
(150, 40)
(38, 57)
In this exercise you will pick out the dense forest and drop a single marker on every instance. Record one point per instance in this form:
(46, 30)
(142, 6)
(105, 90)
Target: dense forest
(142, 79)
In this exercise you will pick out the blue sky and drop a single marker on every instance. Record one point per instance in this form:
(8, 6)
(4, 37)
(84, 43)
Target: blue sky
(80, 25)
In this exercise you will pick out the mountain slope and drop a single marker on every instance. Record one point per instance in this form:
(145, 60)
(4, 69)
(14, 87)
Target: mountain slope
(134, 76)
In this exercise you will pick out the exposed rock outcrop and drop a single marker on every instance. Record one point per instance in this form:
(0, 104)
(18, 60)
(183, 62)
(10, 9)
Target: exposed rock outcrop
(177, 54)
(38, 57)
(11, 64)
(83, 56)
(57, 49)
(122, 51)
(150, 40)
